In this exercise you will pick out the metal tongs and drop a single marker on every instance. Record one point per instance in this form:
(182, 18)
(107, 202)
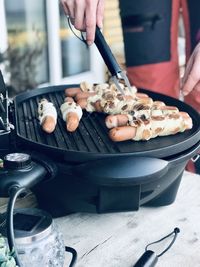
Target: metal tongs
(4, 121)
(109, 59)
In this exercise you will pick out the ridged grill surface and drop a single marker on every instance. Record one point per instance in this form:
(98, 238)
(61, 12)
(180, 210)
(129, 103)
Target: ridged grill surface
(91, 137)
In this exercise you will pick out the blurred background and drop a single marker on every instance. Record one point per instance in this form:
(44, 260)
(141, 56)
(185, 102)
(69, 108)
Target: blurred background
(37, 48)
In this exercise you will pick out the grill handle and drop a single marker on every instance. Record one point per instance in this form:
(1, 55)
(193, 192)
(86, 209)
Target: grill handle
(106, 53)
(123, 170)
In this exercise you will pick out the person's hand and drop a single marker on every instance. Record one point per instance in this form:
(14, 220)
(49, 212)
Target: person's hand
(85, 15)
(191, 79)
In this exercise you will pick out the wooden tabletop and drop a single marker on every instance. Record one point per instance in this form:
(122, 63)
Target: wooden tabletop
(119, 239)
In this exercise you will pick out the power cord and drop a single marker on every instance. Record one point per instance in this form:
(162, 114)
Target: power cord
(14, 191)
(149, 257)
(74, 255)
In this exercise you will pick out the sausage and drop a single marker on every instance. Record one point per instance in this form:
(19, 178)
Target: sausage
(158, 104)
(72, 121)
(72, 114)
(98, 106)
(82, 102)
(122, 133)
(116, 120)
(84, 95)
(72, 92)
(187, 120)
(129, 97)
(141, 95)
(69, 99)
(48, 124)
(169, 108)
(47, 115)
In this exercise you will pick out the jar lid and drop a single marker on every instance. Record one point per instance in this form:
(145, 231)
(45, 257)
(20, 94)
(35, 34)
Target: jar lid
(31, 225)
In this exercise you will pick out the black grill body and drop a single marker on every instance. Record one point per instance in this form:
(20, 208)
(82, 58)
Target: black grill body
(94, 173)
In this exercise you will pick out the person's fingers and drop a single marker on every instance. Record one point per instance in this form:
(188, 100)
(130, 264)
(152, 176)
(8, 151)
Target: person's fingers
(79, 22)
(192, 74)
(90, 20)
(100, 12)
(66, 10)
(70, 7)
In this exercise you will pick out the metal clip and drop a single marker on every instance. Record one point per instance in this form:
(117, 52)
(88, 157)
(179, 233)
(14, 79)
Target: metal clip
(122, 75)
(126, 80)
(2, 109)
(115, 80)
(195, 158)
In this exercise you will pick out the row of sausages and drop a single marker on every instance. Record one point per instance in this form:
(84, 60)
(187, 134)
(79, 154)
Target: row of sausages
(164, 120)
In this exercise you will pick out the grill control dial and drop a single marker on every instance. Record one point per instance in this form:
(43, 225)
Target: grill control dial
(16, 161)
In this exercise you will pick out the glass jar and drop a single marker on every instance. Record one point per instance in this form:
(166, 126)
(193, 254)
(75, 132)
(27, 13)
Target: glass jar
(38, 240)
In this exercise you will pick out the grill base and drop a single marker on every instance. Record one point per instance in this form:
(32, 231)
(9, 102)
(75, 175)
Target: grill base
(67, 194)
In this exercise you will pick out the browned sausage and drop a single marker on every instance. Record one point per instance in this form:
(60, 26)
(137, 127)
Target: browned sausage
(48, 124)
(158, 104)
(69, 99)
(171, 108)
(72, 121)
(122, 133)
(72, 92)
(82, 103)
(187, 120)
(141, 95)
(84, 95)
(116, 120)
(98, 106)
(128, 97)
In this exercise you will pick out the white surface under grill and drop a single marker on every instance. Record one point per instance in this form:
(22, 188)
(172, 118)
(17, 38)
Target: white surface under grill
(119, 239)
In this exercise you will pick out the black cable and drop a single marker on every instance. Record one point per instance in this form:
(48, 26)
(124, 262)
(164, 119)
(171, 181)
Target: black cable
(74, 255)
(82, 39)
(175, 232)
(14, 193)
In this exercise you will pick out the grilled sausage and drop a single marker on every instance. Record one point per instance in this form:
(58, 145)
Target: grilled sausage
(156, 126)
(82, 95)
(69, 99)
(71, 113)
(116, 120)
(48, 124)
(98, 106)
(141, 95)
(82, 102)
(72, 121)
(122, 133)
(72, 92)
(187, 120)
(47, 115)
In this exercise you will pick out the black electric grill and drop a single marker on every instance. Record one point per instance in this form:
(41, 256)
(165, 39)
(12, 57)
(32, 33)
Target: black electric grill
(91, 140)
(94, 173)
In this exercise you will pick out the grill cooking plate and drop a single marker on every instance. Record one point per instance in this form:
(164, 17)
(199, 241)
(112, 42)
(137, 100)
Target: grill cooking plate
(91, 141)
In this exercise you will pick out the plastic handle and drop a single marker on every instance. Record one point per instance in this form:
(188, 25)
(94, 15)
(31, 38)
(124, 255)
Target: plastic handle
(148, 259)
(106, 53)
